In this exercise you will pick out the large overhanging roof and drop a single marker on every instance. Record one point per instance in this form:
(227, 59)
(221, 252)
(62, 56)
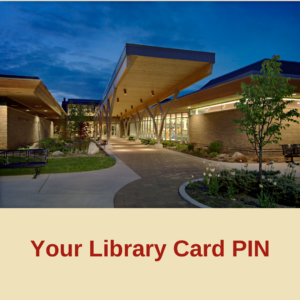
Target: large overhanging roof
(29, 95)
(143, 69)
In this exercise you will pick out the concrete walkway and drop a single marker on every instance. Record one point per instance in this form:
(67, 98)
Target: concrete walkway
(69, 190)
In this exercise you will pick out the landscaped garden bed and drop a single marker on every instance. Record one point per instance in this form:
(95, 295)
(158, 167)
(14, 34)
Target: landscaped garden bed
(66, 156)
(216, 154)
(242, 189)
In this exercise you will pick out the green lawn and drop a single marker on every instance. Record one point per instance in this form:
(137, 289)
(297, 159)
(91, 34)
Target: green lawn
(65, 165)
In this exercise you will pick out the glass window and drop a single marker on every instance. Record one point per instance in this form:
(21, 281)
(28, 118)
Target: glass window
(185, 127)
(168, 127)
(172, 128)
(178, 129)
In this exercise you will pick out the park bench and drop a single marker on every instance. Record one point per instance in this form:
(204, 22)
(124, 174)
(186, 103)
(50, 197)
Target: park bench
(31, 158)
(291, 150)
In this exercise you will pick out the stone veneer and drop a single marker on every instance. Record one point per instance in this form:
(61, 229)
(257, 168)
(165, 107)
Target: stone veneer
(20, 129)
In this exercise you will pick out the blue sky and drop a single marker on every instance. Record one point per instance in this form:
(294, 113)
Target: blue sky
(74, 46)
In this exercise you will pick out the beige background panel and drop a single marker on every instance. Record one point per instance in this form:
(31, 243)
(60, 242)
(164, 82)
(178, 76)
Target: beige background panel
(24, 276)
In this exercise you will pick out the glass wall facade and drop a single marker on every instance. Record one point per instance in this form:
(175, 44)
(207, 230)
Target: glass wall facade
(175, 127)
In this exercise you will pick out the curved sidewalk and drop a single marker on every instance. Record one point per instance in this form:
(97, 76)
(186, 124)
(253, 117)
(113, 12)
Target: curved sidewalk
(162, 172)
(94, 189)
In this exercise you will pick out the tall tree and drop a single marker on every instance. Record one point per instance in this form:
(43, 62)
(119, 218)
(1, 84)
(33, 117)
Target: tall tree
(264, 112)
(77, 121)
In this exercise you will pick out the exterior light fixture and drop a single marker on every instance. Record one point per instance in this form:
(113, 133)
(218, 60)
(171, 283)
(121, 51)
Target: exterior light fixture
(45, 110)
(189, 107)
(131, 106)
(125, 110)
(27, 109)
(141, 100)
(117, 99)
(125, 92)
(152, 93)
(294, 94)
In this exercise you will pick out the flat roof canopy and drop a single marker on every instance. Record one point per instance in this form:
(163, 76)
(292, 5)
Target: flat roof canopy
(30, 95)
(224, 88)
(143, 69)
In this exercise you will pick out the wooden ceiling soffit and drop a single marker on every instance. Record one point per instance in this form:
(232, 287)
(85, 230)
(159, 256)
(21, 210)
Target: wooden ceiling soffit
(190, 80)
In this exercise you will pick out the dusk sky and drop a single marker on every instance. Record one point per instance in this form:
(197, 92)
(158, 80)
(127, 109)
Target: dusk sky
(73, 47)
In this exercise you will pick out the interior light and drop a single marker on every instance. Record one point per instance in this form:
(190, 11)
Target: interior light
(189, 107)
(125, 92)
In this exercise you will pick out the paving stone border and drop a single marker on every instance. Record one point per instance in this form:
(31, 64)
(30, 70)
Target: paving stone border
(187, 198)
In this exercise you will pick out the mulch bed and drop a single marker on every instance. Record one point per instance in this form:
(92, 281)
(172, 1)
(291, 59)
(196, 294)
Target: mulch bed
(242, 200)
(277, 159)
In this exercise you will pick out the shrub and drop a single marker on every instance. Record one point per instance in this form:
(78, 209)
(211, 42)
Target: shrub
(240, 180)
(243, 158)
(264, 159)
(197, 152)
(202, 151)
(24, 148)
(190, 147)
(215, 147)
(214, 154)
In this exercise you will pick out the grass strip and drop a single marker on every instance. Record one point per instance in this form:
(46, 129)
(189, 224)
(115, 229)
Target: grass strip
(65, 165)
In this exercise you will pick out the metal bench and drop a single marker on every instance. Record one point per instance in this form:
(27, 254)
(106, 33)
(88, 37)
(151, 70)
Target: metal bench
(291, 150)
(32, 158)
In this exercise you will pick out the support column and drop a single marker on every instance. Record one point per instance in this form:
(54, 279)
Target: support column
(135, 125)
(163, 117)
(126, 123)
(140, 118)
(100, 124)
(154, 123)
(110, 107)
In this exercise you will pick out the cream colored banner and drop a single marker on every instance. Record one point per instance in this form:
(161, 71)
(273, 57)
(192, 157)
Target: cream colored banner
(23, 275)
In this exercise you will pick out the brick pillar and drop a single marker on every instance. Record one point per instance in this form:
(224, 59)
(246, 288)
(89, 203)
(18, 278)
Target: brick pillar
(3, 127)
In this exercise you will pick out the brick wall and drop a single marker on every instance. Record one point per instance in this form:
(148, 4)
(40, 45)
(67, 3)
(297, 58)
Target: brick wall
(3, 127)
(23, 129)
(218, 127)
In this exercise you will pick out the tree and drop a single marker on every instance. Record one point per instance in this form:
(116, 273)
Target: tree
(264, 112)
(77, 120)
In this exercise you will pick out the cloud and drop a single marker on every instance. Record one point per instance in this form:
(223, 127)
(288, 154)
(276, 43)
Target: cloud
(74, 46)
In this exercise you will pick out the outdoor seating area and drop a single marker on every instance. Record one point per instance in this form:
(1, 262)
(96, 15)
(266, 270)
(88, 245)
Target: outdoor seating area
(291, 150)
(18, 159)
